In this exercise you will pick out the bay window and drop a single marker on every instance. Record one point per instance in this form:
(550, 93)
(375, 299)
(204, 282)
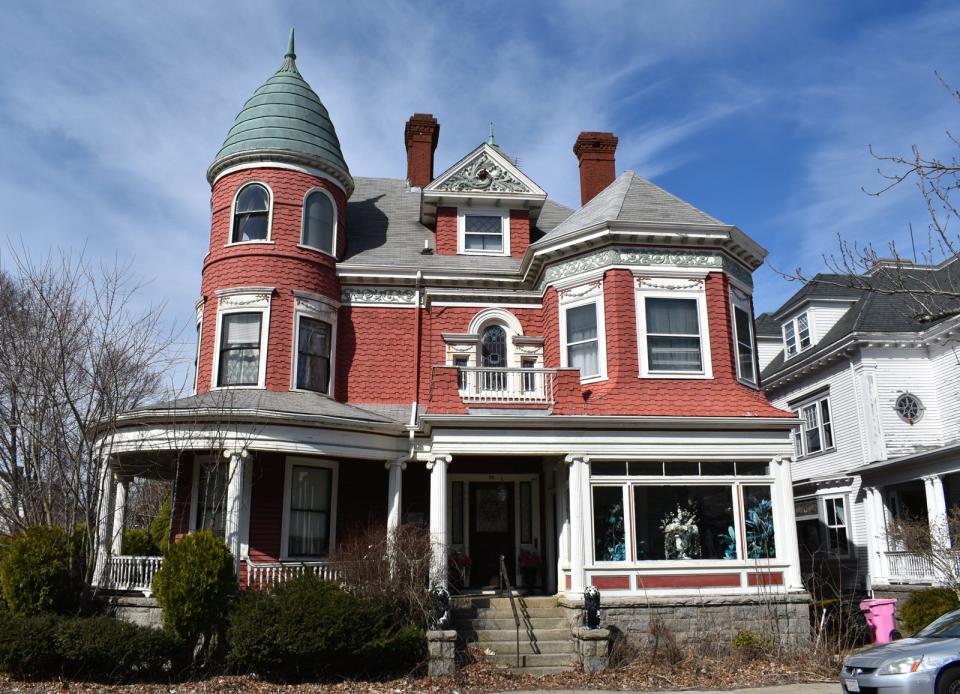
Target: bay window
(239, 353)
(672, 328)
(743, 337)
(638, 515)
(583, 340)
(815, 433)
(309, 511)
(313, 354)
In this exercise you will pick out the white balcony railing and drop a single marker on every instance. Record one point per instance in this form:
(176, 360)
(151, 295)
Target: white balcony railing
(270, 575)
(510, 386)
(131, 573)
(910, 567)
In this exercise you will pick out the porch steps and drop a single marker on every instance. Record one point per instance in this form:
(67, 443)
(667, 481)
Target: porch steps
(486, 624)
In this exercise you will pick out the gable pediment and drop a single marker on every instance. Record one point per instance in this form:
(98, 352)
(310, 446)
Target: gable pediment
(484, 170)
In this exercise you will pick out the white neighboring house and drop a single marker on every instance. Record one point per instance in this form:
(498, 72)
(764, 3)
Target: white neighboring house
(877, 392)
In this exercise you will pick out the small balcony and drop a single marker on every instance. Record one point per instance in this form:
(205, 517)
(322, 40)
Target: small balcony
(130, 574)
(506, 386)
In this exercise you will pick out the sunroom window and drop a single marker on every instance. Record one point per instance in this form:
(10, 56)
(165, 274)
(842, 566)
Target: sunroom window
(313, 355)
(239, 363)
(251, 214)
(796, 335)
(309, 521)
(673, 335)
(815, 432)
(319, 222)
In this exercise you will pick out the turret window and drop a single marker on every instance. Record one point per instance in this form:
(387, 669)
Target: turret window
(313, 355)
(240, 350)
(319, 222)
(251, 214)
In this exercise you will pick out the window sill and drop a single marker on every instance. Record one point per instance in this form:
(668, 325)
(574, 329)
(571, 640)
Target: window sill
(307, 390)
(677, 374)
(748, 384)
(592, 379)
(495, 254)
(316, 250)
(250, 243)
(825, 451)
(256, 386)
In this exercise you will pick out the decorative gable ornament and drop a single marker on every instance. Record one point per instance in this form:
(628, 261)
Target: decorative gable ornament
(484, 178)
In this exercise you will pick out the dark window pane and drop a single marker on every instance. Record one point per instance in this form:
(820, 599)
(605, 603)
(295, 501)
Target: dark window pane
(456, 513)
(758, 523)
(310, 494)
(808, 536)
(608, 531)
(252, 214)
(682, 467)
(526, 512)
(646, 468)
(744, 344)
(211, 497)
(753, 468)
(608, 468)
(318, 222)
(313, 355)
(672, 316)
(716, 467)
(684, 522)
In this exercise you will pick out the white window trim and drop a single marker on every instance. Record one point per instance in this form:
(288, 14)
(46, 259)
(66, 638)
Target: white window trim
(332, 465)
(239, 301)
(233, 216)
(827, 527)
(673, 288)
(741, 300)
(196, 369)
(796, 334)
(463, 212)
(303, 222)
(319, 308)
(575, 297)
(797, 407)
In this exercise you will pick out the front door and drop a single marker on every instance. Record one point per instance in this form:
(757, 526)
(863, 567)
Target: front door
(492, 532)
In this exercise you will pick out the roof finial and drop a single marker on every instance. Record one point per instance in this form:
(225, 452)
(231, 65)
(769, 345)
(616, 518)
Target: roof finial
(290, 57)
(490, 140)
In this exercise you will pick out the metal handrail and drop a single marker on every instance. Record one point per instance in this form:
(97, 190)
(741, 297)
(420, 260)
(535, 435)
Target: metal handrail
(505, 581)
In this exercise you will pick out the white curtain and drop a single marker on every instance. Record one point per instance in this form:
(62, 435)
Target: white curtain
(583, 347)
(240, 349)
(309, 512)
(673, 335)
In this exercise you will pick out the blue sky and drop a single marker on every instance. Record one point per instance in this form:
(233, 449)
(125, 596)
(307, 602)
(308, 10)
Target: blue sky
(760, 113)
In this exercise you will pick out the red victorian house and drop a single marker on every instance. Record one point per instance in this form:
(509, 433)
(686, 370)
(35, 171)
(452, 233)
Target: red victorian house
(460, 351)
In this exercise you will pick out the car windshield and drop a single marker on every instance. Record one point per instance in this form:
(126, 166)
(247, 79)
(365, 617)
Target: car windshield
(945, 627)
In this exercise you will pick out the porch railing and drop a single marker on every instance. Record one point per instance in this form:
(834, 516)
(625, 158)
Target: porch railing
(131, 573)
(270, 575)
(497, 386)
(912, 567)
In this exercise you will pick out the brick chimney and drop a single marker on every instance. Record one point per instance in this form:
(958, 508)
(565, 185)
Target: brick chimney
(595, 151)
(420, 136)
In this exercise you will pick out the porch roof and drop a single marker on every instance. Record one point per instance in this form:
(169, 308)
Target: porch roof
(912, 459)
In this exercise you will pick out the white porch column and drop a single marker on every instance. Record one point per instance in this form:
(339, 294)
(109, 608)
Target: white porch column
(104, 516)
(937, 510)
(232, 521)
(876, 536)
(438, 518)
(786, 532)
(395, 469)
(119, 515)
(579, 487)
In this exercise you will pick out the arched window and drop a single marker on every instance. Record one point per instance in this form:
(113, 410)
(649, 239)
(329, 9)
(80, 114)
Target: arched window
(251, 214)
(319, 222)
(493, 355)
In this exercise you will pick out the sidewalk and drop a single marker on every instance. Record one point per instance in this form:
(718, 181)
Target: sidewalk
(814, 688)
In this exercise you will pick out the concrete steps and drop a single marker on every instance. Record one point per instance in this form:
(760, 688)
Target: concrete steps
(487, 624)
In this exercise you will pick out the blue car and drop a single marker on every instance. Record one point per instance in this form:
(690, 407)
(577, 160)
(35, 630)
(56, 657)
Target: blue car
(927, 662)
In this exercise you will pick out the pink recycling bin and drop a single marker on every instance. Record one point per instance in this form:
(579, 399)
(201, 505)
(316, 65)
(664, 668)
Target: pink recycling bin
(880, 619)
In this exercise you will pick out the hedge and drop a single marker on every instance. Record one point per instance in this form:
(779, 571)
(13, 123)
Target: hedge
(924, 606)
(39, 571)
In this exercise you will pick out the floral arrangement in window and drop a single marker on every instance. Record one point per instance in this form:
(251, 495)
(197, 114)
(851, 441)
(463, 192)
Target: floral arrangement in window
(759, 529)
(612, 541)
(528, 559)
(681, 534)
(728, 541)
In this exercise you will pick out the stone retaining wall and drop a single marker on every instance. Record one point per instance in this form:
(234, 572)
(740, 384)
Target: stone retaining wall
(714, 620)
(135, 609)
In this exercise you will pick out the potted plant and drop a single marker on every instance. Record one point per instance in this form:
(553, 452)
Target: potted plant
(529, 562)
(458, 566)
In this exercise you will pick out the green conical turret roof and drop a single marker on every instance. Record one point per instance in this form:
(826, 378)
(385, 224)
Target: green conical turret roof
(284, 120)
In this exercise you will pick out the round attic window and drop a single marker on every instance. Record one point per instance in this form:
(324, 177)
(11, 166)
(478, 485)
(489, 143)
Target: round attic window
(909, 408)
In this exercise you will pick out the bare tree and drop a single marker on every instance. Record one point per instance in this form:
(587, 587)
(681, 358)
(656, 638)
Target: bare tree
(76, 349)
(932, 543)
(932, 296)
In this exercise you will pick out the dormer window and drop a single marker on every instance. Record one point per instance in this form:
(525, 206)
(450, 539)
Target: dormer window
(251, 214)
(796, 335)
(319, 222)
(484, 232)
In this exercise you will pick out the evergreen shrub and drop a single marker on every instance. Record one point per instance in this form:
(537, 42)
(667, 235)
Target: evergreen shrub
(38, 572)
(924, 606)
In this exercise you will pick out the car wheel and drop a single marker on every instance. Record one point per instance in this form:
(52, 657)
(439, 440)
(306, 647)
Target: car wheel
(949, 681)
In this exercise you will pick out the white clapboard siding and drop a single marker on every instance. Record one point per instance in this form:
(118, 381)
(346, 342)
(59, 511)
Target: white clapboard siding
(767, 350)
(824, 315)
(945, 371)
(899, 370)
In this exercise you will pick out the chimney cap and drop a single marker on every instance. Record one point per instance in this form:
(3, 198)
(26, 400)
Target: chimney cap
(595, 141)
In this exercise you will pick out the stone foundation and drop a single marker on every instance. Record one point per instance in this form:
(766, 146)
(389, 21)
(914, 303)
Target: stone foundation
(711, 619)
(593, 648)
(135, 609)
(441, 648)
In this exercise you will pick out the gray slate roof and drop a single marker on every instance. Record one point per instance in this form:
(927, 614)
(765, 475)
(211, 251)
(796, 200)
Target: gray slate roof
(766, 325)
(295, 403)
(632, 198)
(872, 312)
(383, 228)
